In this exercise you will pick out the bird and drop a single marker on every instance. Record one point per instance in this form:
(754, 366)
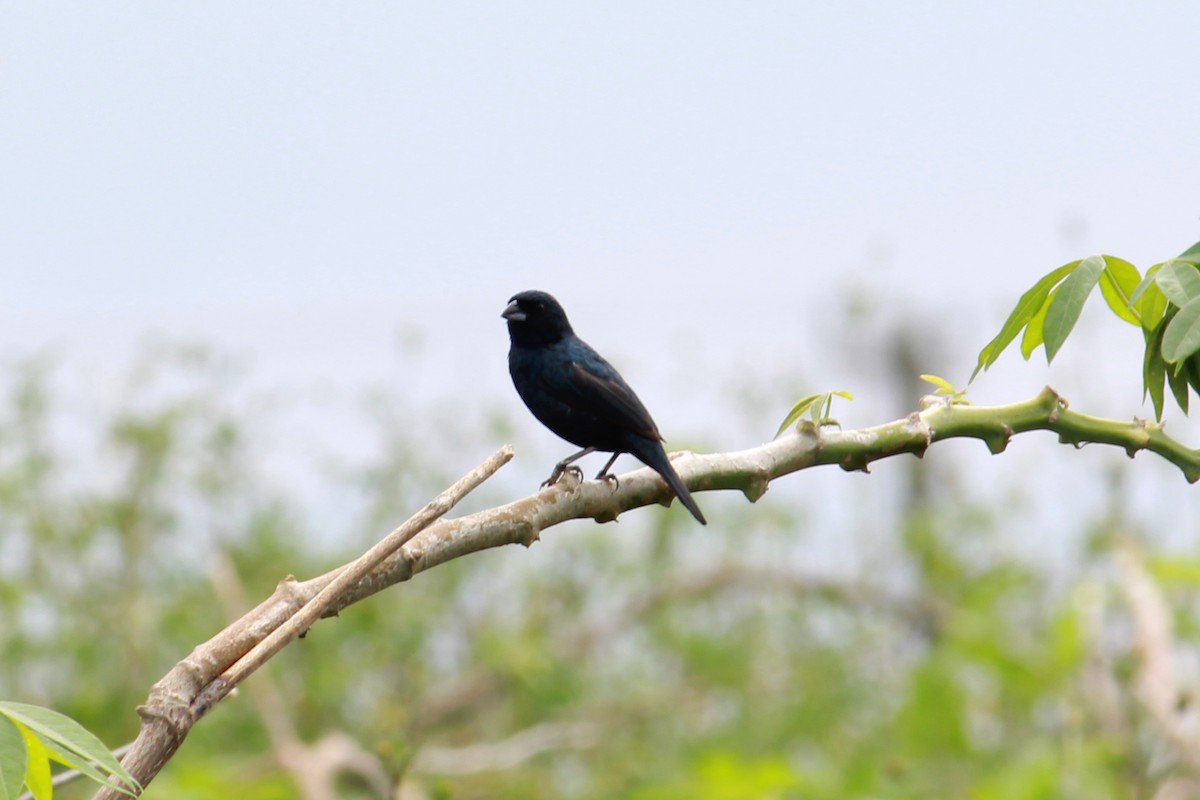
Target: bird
(578, 395)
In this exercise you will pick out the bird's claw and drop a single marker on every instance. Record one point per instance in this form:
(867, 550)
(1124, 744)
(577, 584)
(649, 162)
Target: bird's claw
(608, 477)
(559, 471)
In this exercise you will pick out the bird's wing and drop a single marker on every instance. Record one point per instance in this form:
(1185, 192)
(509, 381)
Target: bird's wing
(603, 392)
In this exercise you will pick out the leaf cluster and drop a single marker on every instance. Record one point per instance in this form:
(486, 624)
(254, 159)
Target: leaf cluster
(31, 737)
(1164, 303)
(818, 407)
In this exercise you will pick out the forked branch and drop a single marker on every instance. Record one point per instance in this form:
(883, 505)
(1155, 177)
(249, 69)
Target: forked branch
(214, 668)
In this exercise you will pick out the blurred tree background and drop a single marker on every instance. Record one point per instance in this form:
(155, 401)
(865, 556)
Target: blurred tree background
(741, 204)
(651, 659)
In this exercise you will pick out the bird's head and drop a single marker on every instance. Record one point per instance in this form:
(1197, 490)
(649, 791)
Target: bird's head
(535, 318)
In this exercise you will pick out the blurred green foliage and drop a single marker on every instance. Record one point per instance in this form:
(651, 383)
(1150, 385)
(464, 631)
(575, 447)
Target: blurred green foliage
(597, 665)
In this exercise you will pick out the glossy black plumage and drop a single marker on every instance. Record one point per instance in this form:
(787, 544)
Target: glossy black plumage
(574, 392)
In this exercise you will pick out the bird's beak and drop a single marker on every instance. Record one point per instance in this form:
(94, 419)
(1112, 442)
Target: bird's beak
(513, 312)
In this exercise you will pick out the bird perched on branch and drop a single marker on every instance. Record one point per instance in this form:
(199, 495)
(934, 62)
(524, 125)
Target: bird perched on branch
(574, 392)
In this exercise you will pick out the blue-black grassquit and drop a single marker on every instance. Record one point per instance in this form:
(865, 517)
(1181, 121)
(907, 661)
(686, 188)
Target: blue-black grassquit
(574, 392)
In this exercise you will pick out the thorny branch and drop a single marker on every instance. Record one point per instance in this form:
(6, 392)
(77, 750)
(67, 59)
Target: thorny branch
(203, 678)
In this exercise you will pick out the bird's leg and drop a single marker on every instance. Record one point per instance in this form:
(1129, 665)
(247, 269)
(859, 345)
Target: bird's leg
(562, 466)
(603, 475)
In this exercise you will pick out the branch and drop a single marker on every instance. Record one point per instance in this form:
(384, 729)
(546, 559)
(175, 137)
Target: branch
(215, 668)
(315, 768)
(207, 675)
(751, 472)
(299, 623)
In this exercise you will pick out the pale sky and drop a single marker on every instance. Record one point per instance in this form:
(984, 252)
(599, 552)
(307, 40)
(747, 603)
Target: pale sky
(307, 183)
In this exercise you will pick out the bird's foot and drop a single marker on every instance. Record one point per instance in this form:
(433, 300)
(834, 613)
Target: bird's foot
(559, 470)
(607, 477)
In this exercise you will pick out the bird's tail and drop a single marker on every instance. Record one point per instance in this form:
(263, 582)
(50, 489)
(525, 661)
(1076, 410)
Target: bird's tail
(655, 457)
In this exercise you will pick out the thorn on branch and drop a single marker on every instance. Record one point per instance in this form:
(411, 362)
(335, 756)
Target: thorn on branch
(855, 463)
(290, 589)
(916, 423)
(997, 443)
(1057, 403)
(757, 485)
(609, 515)
(529, 534)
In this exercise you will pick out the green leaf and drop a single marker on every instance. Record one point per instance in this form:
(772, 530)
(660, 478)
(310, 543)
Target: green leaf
(1152, 306)
(37, 770)
(1064, 310)
(948, 390)
(1029, 304)
(68, 739)
(797, 411)
(821, 411)
(1117, 284)
(1179, 387)
(943, 386)
(1034, 331)
(818, 406)
(60, 755)
(1182, 336)
(1179, 281)
(1191, 370)
(12, 760)
(1154, 372)
(1194, 250)
(1146, 282)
